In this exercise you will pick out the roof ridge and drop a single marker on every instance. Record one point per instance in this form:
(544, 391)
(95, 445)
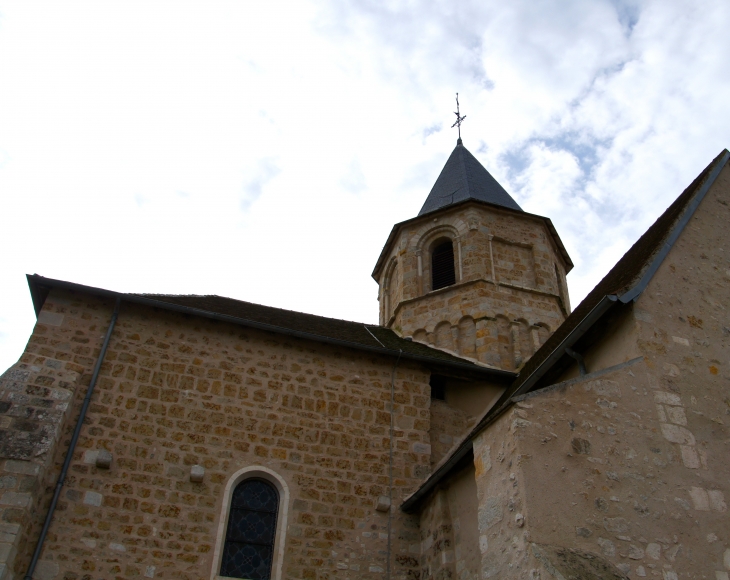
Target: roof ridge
(460, 147)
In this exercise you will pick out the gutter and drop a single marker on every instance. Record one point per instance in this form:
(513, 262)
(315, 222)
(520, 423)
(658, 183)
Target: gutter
(591, 318)
(632, 293)
(35, 282)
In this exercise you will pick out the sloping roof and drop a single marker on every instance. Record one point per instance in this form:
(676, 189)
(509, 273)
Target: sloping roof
(631, 268)
(343, 330)
(356, 335)
(624, 283)
(463, 177)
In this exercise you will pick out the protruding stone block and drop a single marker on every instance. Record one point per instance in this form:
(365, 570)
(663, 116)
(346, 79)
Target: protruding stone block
(103, 459)
(93, 498)
(50, 318)
(46, 570)
(383, 503)
(197, 473)
(421, 448)
(22, 467)
(15, 499)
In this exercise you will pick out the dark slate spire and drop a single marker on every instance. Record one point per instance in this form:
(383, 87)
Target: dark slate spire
(463, 177)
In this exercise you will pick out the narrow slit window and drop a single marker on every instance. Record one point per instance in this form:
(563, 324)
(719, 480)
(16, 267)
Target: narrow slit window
(438, 388)
(249, 547)
(442, 265)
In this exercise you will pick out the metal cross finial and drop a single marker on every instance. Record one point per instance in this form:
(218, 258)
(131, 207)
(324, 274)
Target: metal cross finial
(459, 118)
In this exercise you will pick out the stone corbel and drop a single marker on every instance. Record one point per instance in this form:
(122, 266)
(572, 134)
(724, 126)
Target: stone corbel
(535, 332)
(455, 338)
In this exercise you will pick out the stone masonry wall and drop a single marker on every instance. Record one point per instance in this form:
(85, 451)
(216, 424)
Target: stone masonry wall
(539, 490)
(500, 492)
(437, 538)
(495, 324)
(35, 402)
(448, 426)
(40, 397)
(509, 293)
(630, 480)
(449, 545)
(177, 391)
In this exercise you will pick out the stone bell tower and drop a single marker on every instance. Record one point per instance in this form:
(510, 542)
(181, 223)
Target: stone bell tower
(472, 273)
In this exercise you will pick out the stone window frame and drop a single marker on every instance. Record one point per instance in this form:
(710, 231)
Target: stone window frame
(259, 472)
(424, 248)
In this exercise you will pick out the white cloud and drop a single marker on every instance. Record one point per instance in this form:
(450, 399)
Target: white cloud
(264, 150)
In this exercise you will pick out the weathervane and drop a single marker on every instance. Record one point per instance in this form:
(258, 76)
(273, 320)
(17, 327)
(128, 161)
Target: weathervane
(459, 118)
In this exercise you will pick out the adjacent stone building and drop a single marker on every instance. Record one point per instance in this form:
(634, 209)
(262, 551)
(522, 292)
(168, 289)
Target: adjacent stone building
(482, 430)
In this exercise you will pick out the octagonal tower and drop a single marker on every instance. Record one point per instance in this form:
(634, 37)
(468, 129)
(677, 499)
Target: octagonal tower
(472, 273)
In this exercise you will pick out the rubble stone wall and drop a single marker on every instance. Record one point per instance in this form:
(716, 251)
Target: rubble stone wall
(449, 540)
(36, 403)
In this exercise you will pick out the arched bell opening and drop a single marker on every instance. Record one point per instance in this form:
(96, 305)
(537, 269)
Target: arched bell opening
(443, 273)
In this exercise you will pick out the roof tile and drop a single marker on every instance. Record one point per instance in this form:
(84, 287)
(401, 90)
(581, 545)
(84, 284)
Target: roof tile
(462, 178)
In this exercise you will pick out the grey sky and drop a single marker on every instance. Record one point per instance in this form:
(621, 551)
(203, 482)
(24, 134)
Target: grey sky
(263, 151)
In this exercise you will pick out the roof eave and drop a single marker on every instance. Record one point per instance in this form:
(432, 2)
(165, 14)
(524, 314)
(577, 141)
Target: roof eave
(38, 283)
(634, 290)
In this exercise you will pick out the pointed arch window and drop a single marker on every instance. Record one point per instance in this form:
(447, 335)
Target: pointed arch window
(248, 550)
(442, 265)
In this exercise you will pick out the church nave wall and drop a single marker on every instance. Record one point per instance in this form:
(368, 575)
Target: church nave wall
(177, 391)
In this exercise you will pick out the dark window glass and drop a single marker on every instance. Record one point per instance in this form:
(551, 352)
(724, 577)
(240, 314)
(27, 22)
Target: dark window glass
(442, 266)
(249, 547)
(438, 388)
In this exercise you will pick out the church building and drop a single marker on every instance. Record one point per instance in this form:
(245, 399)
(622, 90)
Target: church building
(481, 430)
